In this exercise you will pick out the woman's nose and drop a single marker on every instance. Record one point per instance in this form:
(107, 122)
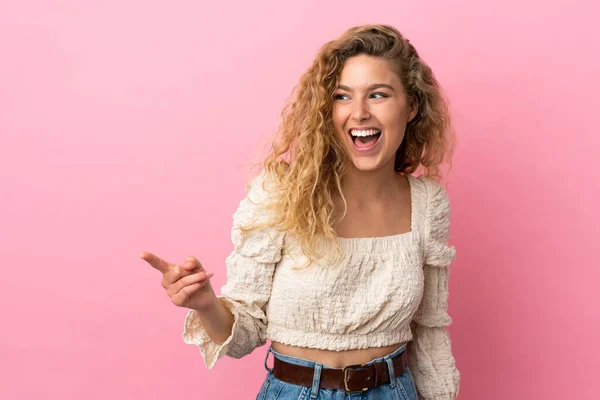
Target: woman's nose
(360, 111)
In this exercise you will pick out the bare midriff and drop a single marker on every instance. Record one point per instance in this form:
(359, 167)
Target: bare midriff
(335, 359)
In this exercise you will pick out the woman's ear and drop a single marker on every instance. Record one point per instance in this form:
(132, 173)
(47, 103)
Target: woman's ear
(414, 109)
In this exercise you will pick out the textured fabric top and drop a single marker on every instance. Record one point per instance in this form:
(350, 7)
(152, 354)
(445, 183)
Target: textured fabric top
(384, 290)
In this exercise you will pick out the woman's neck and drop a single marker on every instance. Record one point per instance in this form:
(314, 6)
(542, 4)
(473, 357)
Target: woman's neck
(366, 187)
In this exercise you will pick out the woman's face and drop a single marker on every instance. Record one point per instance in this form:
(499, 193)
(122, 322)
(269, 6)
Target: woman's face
(370, 112)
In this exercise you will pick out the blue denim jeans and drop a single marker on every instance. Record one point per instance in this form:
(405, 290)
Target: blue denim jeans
(399, 388)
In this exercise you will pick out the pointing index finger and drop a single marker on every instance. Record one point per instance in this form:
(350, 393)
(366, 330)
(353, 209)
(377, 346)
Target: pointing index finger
(156, 262)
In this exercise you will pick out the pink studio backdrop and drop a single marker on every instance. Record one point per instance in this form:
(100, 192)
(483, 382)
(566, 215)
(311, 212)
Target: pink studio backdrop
(122, 127)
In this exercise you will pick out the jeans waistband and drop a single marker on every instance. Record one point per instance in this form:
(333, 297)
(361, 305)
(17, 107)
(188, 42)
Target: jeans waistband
(318, 367)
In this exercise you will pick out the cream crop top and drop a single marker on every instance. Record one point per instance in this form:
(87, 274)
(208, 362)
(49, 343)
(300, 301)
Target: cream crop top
(384, 291)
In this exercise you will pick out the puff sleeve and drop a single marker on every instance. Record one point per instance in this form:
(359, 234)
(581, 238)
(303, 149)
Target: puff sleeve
(430, 355)
(250, 269)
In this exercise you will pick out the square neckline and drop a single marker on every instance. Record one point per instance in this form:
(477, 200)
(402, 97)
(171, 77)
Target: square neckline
(354, 240)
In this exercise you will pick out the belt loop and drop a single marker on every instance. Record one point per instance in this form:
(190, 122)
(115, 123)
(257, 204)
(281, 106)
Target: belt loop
(266, 359)
(314, 393)
(388, 361)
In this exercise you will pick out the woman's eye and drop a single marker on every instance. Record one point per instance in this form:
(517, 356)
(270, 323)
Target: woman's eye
(379, 95)
(340, 97)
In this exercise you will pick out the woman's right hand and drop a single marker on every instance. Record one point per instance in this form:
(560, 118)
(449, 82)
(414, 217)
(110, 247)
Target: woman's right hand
(187, 285)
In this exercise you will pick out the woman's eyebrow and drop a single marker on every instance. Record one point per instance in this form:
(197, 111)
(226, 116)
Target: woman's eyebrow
(371, 87)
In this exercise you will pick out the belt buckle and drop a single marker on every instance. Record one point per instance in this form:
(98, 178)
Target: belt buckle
(345, 372)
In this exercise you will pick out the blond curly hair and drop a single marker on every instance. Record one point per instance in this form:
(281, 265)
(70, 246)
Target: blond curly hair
(306, 158)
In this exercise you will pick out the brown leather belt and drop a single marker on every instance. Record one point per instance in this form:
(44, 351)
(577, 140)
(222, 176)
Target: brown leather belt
(351, 379)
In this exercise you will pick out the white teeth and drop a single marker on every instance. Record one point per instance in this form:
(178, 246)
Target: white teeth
(369, 132)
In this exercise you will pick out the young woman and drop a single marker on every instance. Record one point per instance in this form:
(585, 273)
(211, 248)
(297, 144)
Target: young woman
(341, 255)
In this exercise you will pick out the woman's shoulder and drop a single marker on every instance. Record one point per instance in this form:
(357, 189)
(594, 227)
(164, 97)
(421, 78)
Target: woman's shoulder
(433, 200)
(262, 186)
(433, 188)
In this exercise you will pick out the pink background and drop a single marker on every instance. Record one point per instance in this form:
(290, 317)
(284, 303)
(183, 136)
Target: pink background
(122, 127)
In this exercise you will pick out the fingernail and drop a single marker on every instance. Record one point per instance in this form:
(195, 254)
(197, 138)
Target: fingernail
(210, 274)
